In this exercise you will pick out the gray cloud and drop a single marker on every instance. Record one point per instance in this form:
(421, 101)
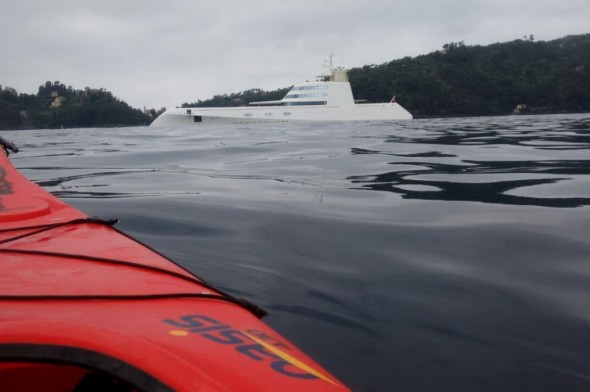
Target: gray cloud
(158, 53)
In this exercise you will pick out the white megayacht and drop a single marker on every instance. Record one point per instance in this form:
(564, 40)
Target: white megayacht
(328, 98)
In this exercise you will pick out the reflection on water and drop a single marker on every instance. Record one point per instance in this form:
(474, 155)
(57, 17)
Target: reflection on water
(488, 181)
(88, 185)
(403, 182)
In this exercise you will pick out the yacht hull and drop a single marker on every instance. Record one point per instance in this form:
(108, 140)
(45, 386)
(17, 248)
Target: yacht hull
(282, 114)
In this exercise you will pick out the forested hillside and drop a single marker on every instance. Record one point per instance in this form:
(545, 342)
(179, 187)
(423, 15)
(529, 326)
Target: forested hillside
(56, 106)
(547, 77)
(241, 98)
(463, 80)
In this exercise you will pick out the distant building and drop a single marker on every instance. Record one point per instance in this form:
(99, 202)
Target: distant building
(57, 102)
(519, 108)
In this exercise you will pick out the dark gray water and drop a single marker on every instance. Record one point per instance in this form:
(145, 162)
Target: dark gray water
(441, 254)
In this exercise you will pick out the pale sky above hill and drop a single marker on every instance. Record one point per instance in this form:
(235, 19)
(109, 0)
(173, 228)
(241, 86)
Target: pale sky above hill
(163, 53)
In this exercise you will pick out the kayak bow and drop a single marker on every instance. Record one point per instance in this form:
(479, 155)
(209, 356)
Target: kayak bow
(85, 307)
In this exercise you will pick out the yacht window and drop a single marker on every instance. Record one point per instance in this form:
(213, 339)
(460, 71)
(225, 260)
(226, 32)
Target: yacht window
(198, 119)
(317, 87)
(312, 95)
(305, 103)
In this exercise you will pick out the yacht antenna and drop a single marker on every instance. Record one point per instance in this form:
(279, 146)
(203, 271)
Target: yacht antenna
(330, 63)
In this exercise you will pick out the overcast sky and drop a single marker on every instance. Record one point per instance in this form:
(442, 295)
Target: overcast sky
(166, 52)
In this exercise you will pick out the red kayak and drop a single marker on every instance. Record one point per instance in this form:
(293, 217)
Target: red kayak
(85, 307)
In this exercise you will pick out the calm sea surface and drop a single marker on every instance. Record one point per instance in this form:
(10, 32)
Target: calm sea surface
(439, 254)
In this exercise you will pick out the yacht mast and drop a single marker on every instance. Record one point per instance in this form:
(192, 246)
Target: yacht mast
(330, 63)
